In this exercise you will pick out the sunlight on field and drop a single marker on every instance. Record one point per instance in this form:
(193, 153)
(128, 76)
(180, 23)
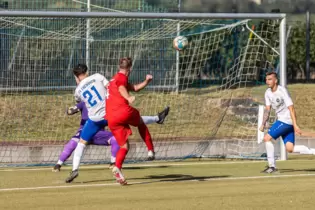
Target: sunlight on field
(168, 185)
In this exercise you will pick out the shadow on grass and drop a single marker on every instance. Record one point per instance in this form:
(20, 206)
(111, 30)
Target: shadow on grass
(162, 178)
(124, 168)
(143, 167)
(179, 177)
(296, 170)
(95, 181)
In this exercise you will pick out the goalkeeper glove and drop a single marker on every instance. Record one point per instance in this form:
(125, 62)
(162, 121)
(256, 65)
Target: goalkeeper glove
(72, 110)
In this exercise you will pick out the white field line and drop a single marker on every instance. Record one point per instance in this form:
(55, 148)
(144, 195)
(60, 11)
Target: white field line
(148, 182)
(137, 165)
(159, 164)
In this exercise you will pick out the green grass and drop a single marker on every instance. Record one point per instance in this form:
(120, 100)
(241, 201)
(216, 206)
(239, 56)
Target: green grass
(42, 117)
(196, 185)
(30, 117)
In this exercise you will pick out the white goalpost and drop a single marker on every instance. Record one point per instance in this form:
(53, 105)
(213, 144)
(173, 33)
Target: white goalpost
(88, 22)
(214, 87)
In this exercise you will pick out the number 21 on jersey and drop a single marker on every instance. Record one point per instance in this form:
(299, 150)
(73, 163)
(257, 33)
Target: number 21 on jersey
(88, 94)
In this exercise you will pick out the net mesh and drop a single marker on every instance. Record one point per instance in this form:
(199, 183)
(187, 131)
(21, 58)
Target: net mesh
(213, 87)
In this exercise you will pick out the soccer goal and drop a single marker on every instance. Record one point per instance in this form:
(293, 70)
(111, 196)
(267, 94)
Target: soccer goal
(214, 87)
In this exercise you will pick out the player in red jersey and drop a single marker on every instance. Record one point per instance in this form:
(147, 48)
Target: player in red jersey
(121, 115)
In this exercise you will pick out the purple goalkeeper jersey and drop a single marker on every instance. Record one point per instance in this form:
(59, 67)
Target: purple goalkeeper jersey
(84, 113)
(102, 137)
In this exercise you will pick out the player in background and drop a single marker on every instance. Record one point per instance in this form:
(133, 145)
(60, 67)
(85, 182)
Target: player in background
(278, 98)
(92, 91)
(102, 138)
(121, 115)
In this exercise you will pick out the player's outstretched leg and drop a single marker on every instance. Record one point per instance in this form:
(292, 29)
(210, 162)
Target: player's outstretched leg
(146, 136)
(121, 134)
(78, 152)
(89, 130)
(159, 118)
(66, 153)
(162, 115)
(120, 157)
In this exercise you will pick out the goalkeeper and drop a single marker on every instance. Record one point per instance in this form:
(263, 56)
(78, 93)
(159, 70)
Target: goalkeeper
(102, 138)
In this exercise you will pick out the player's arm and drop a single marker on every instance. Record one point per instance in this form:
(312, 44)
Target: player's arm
(307, 134)
(288, 102)
(266, 112)
(265, 117)
(140, 86)
(124, 93)
(72, 110)
(75, 109)
(294, 121)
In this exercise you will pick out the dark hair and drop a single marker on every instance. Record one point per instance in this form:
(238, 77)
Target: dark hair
(125, 63)
(272, 73)
(79, 69)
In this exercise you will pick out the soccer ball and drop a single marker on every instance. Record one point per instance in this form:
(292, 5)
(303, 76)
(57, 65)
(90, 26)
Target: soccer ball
(180, 43)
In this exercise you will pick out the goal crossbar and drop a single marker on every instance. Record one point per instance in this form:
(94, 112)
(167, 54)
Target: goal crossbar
(269, 16)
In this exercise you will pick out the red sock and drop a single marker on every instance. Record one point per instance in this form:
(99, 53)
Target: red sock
(146, 136)
(120, 157)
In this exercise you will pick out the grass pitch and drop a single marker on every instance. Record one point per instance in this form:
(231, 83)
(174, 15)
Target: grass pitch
(181, 185)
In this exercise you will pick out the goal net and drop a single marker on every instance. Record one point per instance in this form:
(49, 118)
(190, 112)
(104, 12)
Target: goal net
(213, 88)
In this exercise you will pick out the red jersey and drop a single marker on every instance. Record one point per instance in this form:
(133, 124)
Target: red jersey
(114, 100)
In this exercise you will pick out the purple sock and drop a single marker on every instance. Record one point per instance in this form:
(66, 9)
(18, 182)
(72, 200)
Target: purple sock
(114, 148)
(106, 138)
(68, 149)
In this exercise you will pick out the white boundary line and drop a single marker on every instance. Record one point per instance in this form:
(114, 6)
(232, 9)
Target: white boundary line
(158, 164)
(138, 165)
(148, 182)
